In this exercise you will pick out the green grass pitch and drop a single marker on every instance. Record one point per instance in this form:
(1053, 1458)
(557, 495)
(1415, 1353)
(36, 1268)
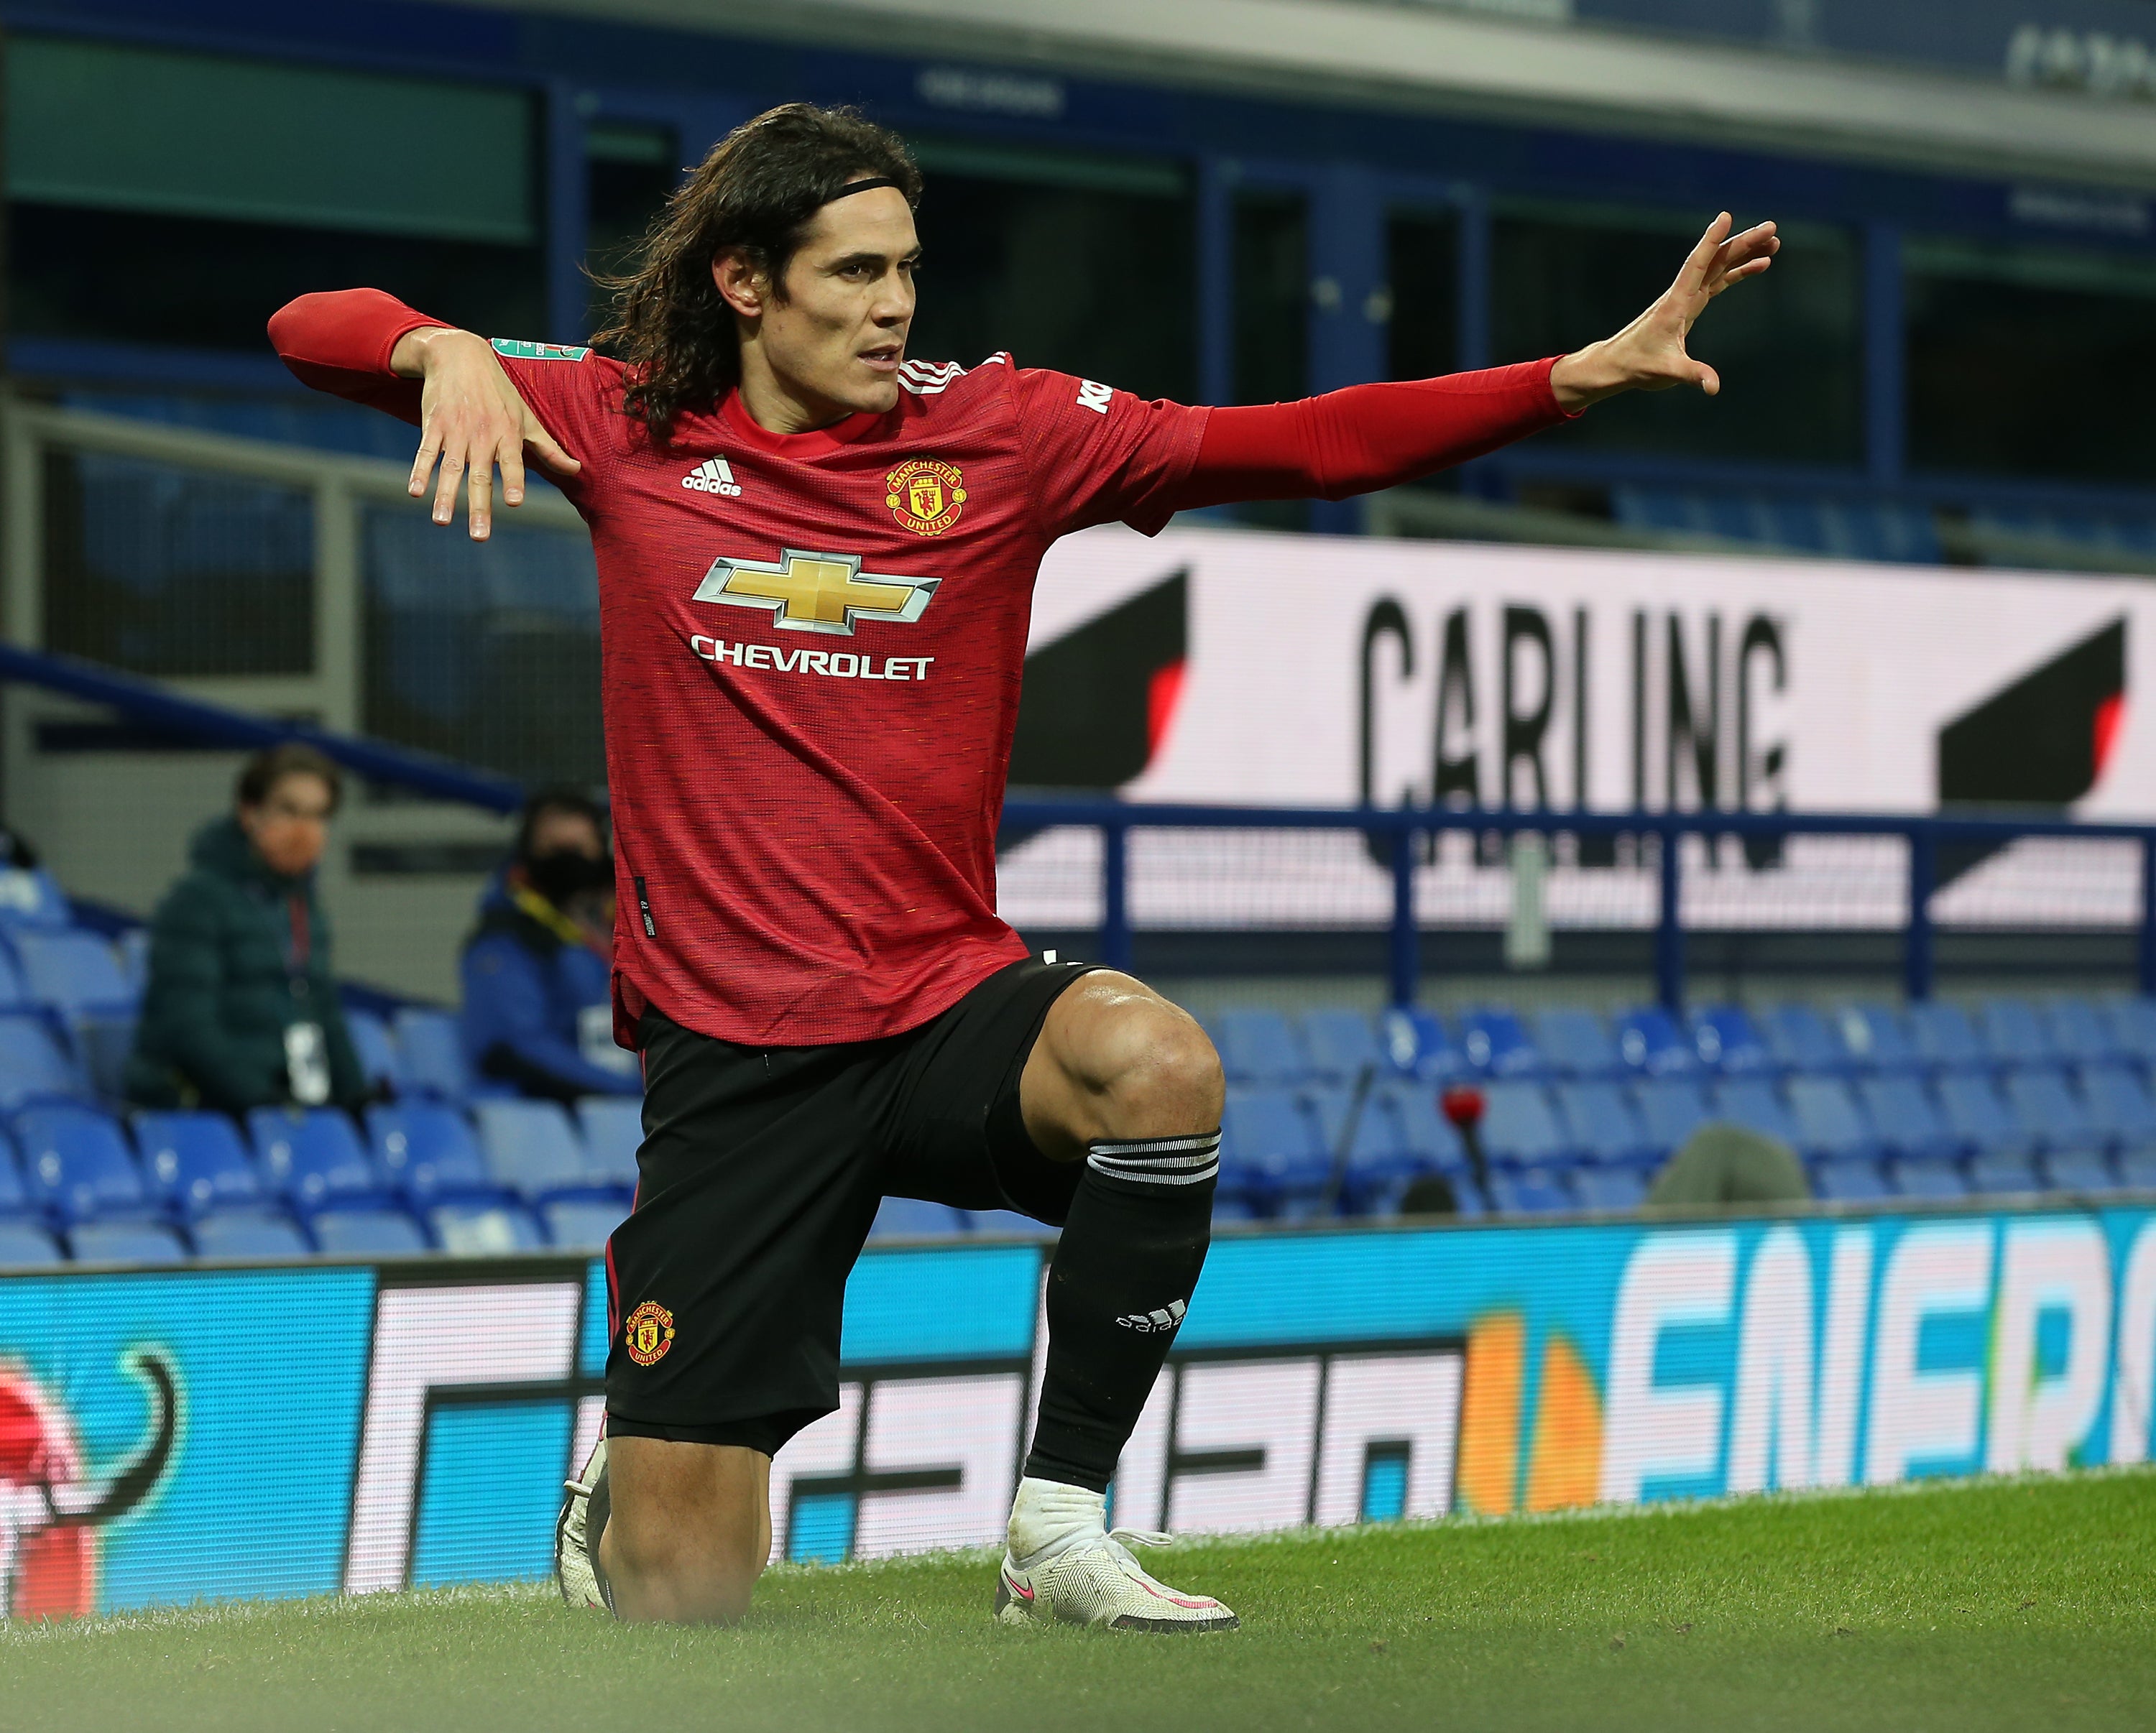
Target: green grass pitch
(2022, 1604)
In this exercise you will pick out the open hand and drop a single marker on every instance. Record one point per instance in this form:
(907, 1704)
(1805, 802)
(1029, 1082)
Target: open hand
(471, 418)
(1649, 354)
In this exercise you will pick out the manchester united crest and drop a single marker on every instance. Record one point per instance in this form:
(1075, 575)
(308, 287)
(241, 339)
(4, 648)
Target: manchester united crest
(925, 495)
(649, 1334)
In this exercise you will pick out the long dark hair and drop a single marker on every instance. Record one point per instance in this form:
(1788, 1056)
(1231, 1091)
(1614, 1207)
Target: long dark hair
(756, 190)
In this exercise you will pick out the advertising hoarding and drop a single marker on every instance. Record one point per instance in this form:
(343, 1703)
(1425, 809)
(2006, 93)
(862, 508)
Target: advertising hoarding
(166, 1436)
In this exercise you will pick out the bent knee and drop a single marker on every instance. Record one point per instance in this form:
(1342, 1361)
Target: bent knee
(1154, 1061)
(681, 1583)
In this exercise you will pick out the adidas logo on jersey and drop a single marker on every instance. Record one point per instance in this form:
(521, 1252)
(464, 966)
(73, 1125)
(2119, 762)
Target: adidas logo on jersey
(712, 476)
(1154, 1322)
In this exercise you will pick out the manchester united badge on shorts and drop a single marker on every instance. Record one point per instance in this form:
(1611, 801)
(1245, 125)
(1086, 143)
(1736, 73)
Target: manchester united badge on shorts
(925, 495)
(650, 1333)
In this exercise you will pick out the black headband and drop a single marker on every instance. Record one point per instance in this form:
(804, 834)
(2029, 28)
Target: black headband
(853, 186)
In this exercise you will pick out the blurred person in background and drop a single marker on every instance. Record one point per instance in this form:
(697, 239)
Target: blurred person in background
(537, 969)
(241, 1010)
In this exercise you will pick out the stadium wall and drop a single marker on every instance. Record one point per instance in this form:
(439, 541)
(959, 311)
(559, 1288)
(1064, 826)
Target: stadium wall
(263, 1432)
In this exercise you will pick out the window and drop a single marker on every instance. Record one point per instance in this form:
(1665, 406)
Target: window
(179, 199)
(2016, 357)
(1423, 273)
(1083, 264)
(1789, 346)
(1271, 272)
(195, 282)
(630, 172)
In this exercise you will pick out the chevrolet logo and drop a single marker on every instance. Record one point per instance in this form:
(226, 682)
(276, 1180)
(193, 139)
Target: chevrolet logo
(817, 592)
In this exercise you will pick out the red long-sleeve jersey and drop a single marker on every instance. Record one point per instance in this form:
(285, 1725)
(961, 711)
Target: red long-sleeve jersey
(811, 644)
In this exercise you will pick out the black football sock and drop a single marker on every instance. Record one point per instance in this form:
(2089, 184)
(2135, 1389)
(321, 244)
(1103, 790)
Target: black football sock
(1131, 1248)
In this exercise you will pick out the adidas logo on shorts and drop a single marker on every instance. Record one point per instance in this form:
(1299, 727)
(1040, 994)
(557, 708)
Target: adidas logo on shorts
(1154, 1322)
(712, 476)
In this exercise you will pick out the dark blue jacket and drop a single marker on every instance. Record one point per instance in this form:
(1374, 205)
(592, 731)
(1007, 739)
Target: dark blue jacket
(538, 1007)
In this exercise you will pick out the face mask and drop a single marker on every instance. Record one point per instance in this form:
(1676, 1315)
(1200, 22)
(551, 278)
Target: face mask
(559, 877)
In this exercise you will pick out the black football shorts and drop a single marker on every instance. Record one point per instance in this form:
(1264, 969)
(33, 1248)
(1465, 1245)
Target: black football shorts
(761, 1171)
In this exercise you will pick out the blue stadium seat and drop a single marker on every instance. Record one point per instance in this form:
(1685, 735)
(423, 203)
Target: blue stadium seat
(2048, 1115)
(1231, 1208)
(1377, 1143)
(31, 899)
(1609, 1188)
(1259, 1046)
(2079, 1170)
(125, 1243)
(1670, 1108)
(1944, 1038)
(2120, 1109)
(478, 1230)
(1269, 1145)
(582, 1224)
(1601, 1125)
(1343, 1044)
(1929, 1179)
(2137, 1170)
(912, 1218)
(1726, 1039)
(1797, 1039)
(315, 1158)
(1530, 1192)
(1520, 1127)
(196, 1162)
(2078, 1033)
(1829, 1125)
(1876, 1039)
(2132, 1029)
(249, 1234)
(78, 1162)
(613, 1132)
(375, 1045)
(1652, 1045)
(1976, 1115)
(427, 1152)
(531, 1148)
(1907, 1120)
(23, 1245)
(14, 993)
(2002, 1173)
(1576, 1043)
(1419, 1046)
(1751, 1103)
(34, 1066)
(1849, 1182)
(1497, 1046)
(75, 973)
(132, 948)
(1425, 1133)
(2013, 1034)
(431, 1048)
(367, 1233)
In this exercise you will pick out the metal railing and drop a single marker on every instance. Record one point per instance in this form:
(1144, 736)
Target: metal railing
(1397, 834)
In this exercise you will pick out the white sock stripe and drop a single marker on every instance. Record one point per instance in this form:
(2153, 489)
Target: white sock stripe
(1155, 1177)
(1167, 1164)
(1155, 1145)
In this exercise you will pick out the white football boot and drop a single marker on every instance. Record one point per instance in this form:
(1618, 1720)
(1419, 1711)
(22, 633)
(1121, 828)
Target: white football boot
(1063, 1564)
(583, 1521)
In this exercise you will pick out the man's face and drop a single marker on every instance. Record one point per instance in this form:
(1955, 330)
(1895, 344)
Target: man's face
(836, 338)
(290, 827)
(557, 830)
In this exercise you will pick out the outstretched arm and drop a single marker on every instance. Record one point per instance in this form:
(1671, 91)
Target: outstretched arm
(370, 347)
(1368, 436)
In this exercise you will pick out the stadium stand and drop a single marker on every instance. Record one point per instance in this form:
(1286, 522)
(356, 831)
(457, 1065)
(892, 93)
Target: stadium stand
(2013, 1094)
